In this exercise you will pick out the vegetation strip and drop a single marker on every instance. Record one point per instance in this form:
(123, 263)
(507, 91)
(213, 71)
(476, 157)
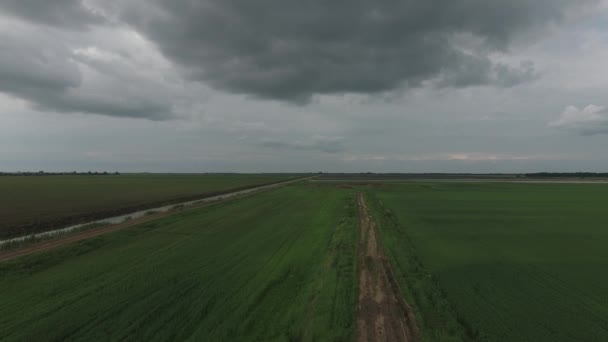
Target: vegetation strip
(498, 262)
(149, 216)
(34, 205)
(383, 314)
(277, 266)
(47, 245)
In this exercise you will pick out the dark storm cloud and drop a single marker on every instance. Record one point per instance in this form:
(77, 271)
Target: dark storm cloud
(291, 50)
(63, 13)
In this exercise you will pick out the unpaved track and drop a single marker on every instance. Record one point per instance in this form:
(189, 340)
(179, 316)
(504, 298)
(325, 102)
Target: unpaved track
(383, 315)
(74, 237)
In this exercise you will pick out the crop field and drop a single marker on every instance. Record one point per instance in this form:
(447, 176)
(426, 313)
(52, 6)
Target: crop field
(327, 261)
(33, 204)
(499, 262)
(280, 265)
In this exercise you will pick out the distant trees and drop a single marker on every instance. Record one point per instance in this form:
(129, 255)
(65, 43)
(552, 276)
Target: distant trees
(368, 175)
(566, 174)
(73, 173)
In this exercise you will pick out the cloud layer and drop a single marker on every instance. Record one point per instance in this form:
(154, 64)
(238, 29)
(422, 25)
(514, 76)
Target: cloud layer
(57, 70)
(276, 49)
(396, 85)
(73, 14)
(289, 50)
(590, 120)
(318, 143)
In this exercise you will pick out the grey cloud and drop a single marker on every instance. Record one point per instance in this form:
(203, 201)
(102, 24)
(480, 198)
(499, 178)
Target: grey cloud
(63, 13)
(30, 65)
(508, 76)
(476, 70)
(587, 121)
(102, 104)
(316, 143)
(38, 68)
(289, 50)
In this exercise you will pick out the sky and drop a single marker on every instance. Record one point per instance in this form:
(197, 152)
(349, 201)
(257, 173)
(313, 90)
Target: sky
(304, 86)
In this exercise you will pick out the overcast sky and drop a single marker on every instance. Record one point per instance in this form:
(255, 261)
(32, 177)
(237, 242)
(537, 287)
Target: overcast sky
(286, 85)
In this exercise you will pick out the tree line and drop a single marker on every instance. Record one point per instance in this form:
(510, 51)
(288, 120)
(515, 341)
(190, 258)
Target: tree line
(567, 174)
(73, 173)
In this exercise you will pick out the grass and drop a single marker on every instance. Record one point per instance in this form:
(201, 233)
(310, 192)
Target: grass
(34, 204)
(478, 262)
(500, 262)
(34, 239)
(277, 266)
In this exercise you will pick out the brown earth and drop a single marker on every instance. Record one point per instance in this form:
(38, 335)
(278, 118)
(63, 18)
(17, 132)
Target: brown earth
(7, 232)
(71, 238)
(383, 314)
(42, 246)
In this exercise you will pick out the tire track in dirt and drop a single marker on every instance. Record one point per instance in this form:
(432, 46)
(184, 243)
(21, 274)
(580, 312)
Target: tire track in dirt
(383, 314)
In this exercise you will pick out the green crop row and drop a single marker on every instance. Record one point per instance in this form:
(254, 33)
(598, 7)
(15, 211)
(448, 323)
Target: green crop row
(508, 262)
(36, 204)
(477, 262)
(280, 265)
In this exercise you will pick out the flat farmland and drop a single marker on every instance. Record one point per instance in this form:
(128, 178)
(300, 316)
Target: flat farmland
(38, 203)
(332, 261)
(499, 262)
(280, 265)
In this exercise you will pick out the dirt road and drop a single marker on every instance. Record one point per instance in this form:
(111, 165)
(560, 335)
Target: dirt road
(383, 315)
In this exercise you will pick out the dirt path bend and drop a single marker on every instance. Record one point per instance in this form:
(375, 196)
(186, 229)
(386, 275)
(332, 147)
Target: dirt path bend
(383, 315)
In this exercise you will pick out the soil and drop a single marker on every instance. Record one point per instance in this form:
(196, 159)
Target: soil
(71, 238)
(383, 314)
(58, 223)
(74, 237)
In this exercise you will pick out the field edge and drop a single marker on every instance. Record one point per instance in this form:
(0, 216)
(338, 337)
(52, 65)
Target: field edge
(435, 315)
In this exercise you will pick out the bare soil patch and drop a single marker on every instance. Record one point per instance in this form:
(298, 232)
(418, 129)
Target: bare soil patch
(383, 314)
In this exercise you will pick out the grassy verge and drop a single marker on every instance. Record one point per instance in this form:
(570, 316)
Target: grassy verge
(435, 315)
(516, 262)
(33, 239)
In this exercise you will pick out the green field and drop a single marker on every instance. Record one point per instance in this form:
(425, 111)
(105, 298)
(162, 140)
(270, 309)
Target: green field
(476, 261)
(31, 204)
(280, 265)
(500, 262)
